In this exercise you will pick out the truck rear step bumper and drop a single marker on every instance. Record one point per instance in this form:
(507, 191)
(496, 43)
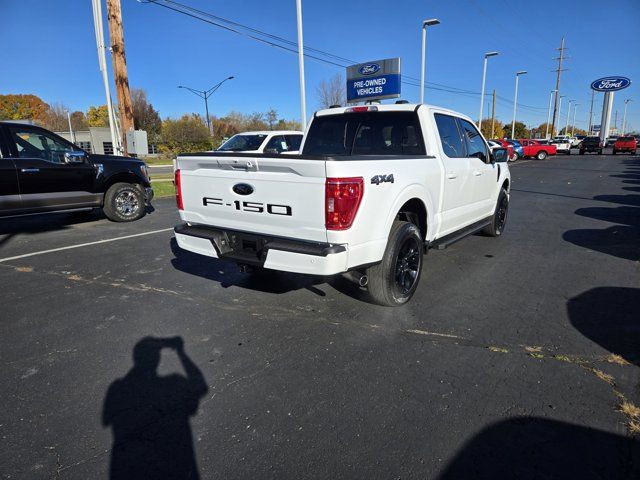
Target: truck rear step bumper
(275, 253)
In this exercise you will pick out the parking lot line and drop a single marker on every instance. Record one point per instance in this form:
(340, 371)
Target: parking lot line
(42, 252)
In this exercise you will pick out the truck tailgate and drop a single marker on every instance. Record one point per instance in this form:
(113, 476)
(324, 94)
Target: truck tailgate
(275, 196)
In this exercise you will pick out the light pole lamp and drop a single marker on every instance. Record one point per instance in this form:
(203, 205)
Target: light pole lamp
(573, 124)
(484, 75)
(515, 103)
(624, 116)
(425, 24)
(566, 127)
(546, 133)
(205, 94)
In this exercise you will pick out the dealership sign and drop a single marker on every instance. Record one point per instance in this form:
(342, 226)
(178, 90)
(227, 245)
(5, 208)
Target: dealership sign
(610, 84)
(373, 80)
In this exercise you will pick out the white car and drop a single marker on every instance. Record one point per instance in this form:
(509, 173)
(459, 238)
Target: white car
(563, 144)
(268, 141)
(374, 187)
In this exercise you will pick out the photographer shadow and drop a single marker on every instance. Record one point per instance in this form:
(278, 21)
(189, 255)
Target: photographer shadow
(149, 415)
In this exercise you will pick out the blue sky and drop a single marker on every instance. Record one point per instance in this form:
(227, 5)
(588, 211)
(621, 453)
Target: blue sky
(49, 50)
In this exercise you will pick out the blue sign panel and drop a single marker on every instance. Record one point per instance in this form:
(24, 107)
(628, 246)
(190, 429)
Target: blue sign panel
(379, 86)
(595, 128)
(374, 80)
(610, 84)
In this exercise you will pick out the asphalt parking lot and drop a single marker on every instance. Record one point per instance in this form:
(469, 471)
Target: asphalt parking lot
(517, 358)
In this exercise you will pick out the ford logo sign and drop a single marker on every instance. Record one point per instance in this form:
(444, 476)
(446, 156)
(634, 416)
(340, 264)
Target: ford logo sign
(369, 69)
(610, 84)
(243, 189)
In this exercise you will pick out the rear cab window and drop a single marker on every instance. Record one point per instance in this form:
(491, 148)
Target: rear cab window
(365, 133)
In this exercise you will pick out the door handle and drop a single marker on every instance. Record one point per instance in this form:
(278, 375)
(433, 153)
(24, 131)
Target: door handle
(477, 173)
(29, 170)
(452, 175)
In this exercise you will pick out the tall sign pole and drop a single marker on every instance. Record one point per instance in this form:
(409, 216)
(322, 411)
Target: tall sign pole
(303, 101)
(116, 38)
(102, 62)
(593, 94)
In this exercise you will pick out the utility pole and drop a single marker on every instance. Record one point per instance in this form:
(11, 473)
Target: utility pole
(116, 38)
(593, 93)
(493, 113)
(558, 71)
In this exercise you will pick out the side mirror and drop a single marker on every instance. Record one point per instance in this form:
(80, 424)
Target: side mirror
(75, 157)
(499, 155)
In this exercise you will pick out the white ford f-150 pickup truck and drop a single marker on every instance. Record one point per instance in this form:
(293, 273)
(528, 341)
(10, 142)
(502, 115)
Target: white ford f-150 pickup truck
(373, 188)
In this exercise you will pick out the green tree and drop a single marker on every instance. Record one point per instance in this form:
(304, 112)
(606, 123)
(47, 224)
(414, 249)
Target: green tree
(98, 116)
(188, 133)
(288, 125)
(22, 107)
(520, 130)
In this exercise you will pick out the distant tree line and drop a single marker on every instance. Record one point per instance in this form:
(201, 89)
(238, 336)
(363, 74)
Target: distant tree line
(184, 134)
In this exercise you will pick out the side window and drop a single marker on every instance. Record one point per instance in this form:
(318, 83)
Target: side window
(277, 143)
(293, 141)
(474, 142)
(449, 136)
(33, 143)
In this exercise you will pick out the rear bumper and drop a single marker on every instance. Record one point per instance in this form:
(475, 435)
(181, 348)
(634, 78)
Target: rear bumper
(275, 253)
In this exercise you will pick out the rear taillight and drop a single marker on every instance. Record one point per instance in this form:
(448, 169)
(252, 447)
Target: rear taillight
(342, 199)
(178, 191)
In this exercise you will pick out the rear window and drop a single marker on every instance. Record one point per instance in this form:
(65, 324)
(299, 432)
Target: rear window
(365, 133)
(626, 139)
(592, 139)
(239, 143)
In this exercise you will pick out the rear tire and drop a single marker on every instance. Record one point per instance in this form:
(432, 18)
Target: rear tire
(124, 202)
(541, 155)
(581, 152)
(499, 219)
(394, 280)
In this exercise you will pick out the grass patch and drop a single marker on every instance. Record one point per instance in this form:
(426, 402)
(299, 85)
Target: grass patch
(536, 355)
(533, 349)
(603, 376)
(498, 349)
(613, 358)
(163, 189)
(630, 409)
(159, 160)
(162, 176)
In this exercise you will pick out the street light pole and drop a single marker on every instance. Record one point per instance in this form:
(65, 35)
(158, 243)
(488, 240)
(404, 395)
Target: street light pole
(515, 103)
(205, 94)
(484, 75)
(303, 100)
(624, 116)
(425, 24)
(573, 125)
(546, 133)
(566, 127)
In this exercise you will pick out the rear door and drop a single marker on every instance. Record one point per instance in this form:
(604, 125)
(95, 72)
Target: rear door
(46, 181)
(272, 196)
(9, 190)
(458, 183)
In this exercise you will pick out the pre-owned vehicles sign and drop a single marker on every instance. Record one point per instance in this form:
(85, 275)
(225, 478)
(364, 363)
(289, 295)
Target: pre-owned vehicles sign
(610, 84)
(373, 80)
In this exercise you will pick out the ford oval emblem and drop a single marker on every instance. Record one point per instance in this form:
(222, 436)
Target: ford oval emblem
(243, 189)
(369, 69)
(610, 84)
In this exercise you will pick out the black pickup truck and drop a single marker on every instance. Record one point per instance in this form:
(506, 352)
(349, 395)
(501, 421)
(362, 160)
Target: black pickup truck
(42, 172)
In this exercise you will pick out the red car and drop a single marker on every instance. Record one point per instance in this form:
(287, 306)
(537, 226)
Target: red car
(625, 144)
(533, 148)
(510, 152)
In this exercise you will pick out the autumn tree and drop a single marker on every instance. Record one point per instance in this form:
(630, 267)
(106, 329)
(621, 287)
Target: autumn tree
(331, 92)
(145, 117)
(98, 116)
(188, 133)
(22, 107)
(486, 128)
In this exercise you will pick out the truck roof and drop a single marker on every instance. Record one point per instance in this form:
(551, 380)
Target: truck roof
(398, 107)
(271, 132)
